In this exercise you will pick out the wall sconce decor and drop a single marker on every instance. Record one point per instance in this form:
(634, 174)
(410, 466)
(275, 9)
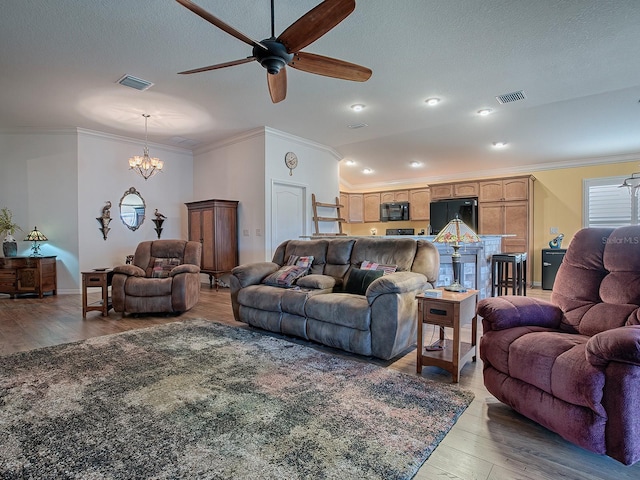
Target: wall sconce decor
(35, 236)
(105, 219)
(159, 220)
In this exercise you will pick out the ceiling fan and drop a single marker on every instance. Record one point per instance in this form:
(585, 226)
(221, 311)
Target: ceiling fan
(275, 54)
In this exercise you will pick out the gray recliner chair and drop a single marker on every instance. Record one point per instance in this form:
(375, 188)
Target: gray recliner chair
(163, 278)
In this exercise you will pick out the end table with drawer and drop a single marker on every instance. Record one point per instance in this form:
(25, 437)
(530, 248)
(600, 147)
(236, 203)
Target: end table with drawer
(453, 310)
(100, 278)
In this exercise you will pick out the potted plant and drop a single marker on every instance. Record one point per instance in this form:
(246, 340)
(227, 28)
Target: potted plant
(8, 227)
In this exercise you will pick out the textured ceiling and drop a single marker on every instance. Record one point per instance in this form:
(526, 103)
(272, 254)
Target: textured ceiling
(576, 60)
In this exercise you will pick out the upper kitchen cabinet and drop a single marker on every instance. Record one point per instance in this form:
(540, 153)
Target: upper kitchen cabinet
(356, 208)
(344, 201)
(505, 189)
(394, 196)
(371, 207)
(454, 190)
(419, 200)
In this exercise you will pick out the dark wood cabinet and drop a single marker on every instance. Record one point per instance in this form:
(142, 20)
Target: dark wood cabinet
(36, 275)
(214, 223)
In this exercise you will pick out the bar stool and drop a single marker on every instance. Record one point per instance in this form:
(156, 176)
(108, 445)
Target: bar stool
(509, 270)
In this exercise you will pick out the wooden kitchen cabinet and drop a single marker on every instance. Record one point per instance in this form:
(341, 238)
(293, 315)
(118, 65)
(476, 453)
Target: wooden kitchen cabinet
(506, 218)
(35, 275)
(454, 190)
(441, 192)
(371, 207)
(394, 196)
(356, 208)
(214, 223)
(419, 204)
(466, 189)
(344, 201)
(505, 189)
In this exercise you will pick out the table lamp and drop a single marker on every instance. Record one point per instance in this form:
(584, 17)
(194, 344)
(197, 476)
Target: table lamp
(35, 236)
(456, 233)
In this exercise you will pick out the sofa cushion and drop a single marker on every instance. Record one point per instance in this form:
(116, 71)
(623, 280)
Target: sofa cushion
(321, 282)
(262, 297)
(396, 251)
(359, 280)
(148, 287)
(343, 309)
(286, 276)
(552, 361)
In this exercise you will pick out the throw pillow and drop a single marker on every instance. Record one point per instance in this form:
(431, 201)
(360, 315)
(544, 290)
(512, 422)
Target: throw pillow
(359, 280)
(285, 277)
(162, 267)
(300, 261)
(367, 265)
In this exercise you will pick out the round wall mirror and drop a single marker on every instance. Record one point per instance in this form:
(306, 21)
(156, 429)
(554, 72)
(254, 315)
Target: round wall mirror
(132, 209)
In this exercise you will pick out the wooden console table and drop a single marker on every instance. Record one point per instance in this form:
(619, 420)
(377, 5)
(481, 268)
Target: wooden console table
(22, 275)
(101, 279)
(452, 310)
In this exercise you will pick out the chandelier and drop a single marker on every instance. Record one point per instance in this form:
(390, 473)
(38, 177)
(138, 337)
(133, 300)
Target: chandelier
(145, 165)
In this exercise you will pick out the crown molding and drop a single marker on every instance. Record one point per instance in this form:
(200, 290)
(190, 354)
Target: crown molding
(131, 140)
(265, 132)
(497, 172)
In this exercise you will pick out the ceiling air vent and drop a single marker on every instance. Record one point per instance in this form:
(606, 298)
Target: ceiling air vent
(511, 97)
(134, 82)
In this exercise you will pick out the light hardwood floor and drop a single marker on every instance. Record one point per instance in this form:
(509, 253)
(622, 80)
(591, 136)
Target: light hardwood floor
(489, 441)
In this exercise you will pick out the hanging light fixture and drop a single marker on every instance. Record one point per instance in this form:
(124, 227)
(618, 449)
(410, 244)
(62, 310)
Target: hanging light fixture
(145, 165)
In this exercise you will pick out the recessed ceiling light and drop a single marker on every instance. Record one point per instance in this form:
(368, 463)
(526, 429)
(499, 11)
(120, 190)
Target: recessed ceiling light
(499, 144)
(358, 107)
(416, 164)
(367, 171)
(432, 101)
(350, 162)
(484, 112)
(358, 125)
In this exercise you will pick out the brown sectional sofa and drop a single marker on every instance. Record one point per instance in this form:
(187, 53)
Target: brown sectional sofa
(381, 322)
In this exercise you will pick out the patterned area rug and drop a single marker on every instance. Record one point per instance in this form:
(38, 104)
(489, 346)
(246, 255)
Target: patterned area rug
(200, 400)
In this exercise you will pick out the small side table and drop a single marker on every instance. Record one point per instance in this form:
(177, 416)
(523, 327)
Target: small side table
(101, 279)
(453, 310)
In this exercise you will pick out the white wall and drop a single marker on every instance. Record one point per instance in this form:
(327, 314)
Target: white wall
(103, 174)
(244, 168)
(38, 182)
(234, 170)
(60, 180)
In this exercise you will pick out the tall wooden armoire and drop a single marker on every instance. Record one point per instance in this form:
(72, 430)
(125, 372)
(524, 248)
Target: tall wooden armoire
(214, 223)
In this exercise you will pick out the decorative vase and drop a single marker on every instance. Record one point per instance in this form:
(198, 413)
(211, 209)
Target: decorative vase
(10, 246)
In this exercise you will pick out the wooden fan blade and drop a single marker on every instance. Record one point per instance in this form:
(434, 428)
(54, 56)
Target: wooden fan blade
(315, 23)
(330, 67)
(277, 85)
(218, 65)
(198, 10)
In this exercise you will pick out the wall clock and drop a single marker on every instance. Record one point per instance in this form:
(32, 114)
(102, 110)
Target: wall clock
(291, 161)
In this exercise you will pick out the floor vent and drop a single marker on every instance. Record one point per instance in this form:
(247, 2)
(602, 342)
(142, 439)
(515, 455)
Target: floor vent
(511, 97)
(134, 82)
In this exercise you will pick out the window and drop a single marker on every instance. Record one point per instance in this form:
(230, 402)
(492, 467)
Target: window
(605, 204)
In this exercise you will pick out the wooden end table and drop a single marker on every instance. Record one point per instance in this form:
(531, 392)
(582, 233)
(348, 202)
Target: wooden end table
(97, 278)
(453, 311)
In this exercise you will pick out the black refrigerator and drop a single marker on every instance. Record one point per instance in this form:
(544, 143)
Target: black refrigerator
(443, 211)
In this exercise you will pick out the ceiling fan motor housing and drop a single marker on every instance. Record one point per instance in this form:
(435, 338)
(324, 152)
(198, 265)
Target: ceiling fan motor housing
(274, 58)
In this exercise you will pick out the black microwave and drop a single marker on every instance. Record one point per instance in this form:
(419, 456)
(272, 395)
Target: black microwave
(394, 211)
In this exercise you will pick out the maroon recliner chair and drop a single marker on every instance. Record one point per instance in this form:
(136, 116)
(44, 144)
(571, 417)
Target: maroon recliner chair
(573, 364)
